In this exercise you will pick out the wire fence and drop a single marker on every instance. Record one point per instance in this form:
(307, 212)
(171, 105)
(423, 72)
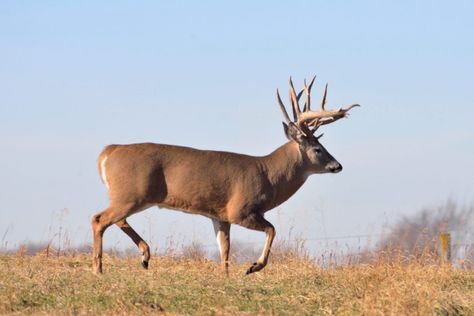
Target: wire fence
(352, 245)
(306, 240)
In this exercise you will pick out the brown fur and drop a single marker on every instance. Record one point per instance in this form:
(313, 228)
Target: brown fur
(212, 183)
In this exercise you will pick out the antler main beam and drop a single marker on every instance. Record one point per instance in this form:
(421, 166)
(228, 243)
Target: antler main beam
(308, 120)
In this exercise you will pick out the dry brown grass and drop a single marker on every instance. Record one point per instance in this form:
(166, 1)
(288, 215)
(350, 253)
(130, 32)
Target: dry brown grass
(289, 285)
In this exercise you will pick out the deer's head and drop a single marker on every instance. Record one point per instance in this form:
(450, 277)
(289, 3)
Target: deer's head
(301, 130)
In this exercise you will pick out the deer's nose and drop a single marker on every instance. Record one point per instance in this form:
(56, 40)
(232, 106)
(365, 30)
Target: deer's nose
(334, 167)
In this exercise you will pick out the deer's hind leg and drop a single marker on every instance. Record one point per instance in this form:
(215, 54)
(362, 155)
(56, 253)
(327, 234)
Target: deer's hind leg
(101, 221)
(141, 244)
(256, 221)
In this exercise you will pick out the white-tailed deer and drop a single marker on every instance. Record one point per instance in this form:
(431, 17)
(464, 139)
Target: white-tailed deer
(228, 188)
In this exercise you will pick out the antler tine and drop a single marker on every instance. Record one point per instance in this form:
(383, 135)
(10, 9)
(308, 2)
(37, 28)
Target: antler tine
(311, 83)
(350, 107)
(308, 99)
(295, 115)
(294, 101)
(323, 100)
(299, 95)
(329, 117)
(307, 89)
(282, 107)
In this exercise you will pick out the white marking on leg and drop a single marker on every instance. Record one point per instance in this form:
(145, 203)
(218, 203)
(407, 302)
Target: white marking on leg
(103, 173)
(266, 249)
(142, 249)
(218, 233)
(219, 244)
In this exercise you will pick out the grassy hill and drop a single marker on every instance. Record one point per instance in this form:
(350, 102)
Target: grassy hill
(66, 285)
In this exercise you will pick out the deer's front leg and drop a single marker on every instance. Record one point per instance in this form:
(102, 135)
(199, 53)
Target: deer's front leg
(222, 230)
(256, 221)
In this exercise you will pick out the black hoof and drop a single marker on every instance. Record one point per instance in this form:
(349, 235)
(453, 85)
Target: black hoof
(145, 264)
(251, 269)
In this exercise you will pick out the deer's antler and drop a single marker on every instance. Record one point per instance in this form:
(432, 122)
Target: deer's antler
(309, 121)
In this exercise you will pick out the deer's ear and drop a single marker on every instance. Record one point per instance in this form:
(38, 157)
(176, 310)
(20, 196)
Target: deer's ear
(292, 132)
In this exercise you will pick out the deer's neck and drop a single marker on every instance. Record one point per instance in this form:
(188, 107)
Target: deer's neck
(286, 171)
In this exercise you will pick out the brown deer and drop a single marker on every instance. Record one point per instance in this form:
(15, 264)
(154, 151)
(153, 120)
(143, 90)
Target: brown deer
(229, 188)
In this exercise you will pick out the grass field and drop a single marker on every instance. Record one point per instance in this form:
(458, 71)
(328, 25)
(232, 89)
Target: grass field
(65, 285)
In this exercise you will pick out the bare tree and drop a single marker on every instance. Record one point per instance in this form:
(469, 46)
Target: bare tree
(417, 235)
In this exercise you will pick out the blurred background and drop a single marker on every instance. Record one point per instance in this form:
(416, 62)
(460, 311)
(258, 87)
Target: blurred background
(76, 76)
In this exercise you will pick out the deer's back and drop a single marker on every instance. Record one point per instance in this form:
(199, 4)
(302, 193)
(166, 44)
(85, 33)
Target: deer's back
(177, 177)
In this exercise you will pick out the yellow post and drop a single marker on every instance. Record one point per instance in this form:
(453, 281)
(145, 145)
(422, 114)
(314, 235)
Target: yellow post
(445, 246)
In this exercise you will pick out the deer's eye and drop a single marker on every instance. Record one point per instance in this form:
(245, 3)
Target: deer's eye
(317, 150)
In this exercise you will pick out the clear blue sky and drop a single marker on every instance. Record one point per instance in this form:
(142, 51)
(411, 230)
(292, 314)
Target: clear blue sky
(76, 76)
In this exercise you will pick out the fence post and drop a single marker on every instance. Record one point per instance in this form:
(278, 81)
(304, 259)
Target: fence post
(445, 247)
